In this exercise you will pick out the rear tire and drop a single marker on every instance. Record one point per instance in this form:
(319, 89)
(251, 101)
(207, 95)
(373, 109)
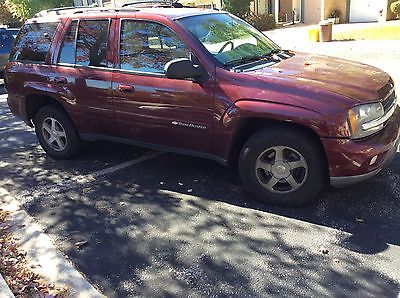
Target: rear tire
(56, 133)
(282, 166)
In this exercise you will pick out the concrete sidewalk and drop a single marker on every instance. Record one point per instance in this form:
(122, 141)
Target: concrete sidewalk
(5, 291)
(49, 263)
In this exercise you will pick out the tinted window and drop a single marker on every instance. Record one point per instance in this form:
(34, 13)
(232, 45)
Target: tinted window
(91, 44)
(14, 32)
(67, 52)
(6, 40)
(33, 42)
(147, 46)
(228, 38)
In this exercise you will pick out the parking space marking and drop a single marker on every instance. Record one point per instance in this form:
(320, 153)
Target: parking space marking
(79, 181)
(110, 170)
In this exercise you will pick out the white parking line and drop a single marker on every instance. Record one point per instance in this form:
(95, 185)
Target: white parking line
(126, 164)
(110, 170)
(79, 181)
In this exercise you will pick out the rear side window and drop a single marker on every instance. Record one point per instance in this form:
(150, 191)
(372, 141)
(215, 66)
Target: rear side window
(67, 52)
(91, 43)
(33, 42)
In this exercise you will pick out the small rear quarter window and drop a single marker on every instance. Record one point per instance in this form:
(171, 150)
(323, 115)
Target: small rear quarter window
(67, 52)
(33, 42)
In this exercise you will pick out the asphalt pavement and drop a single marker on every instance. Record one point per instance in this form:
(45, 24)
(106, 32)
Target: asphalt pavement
(160, 224)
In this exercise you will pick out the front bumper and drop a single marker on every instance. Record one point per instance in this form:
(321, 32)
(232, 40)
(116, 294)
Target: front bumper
(353, 161)
(349, 180)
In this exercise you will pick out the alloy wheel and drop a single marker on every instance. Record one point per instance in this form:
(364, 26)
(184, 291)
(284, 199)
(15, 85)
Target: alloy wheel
(281, 169)
(54, 134)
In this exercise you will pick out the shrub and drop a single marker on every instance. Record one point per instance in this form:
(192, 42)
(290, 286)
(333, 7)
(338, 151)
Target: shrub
(395, 8)
(6, 17)
(335, 14)
(262, 22)
(240, 8)
(24, 9)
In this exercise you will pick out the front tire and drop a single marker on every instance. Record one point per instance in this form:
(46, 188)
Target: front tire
(56, 133)
(282, 166)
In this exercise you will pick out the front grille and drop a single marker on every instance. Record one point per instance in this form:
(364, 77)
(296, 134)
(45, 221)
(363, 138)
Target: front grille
(389, 102)
(386, 89)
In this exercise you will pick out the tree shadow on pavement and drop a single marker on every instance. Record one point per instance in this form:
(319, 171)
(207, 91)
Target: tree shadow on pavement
(194, 232)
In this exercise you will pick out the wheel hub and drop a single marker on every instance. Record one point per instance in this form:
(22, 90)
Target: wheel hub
(280, 170)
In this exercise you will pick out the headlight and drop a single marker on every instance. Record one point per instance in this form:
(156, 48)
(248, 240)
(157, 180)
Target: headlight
(361, 115)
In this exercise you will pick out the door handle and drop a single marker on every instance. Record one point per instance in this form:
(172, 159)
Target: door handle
(60, 80)
(125, 88)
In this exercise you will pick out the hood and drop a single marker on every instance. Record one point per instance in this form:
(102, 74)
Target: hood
(355, 81)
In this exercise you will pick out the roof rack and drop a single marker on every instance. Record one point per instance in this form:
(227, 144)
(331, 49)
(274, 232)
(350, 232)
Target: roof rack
(147, 2)
(155, 3)
(80, 9)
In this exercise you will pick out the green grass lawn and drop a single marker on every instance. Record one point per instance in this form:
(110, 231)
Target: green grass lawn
(389, 32)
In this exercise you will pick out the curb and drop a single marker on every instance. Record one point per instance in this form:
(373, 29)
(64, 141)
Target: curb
(5, 291)
(40, 250)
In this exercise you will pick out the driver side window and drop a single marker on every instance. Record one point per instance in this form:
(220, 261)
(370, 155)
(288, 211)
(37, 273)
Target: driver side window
(147, 47)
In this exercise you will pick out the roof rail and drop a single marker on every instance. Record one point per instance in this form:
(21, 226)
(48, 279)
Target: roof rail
(155, 3)
(147, 2)
(79, 9)
(58, 10)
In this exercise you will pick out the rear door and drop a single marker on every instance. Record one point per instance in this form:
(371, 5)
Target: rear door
(84, 70)
(151, 108)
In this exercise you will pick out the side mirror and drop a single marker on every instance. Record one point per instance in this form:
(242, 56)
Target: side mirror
(183, 68)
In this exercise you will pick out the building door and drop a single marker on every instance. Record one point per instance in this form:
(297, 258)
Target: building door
(312, 12)
(366, 10)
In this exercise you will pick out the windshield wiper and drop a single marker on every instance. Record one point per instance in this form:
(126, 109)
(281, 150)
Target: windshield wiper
(253, 58)
(246, 59)
(275, 51)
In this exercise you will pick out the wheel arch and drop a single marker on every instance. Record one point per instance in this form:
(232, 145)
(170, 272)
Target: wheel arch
(248, 126)
(34, 102)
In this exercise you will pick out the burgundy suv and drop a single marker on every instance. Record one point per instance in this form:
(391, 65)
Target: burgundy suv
(204, 83)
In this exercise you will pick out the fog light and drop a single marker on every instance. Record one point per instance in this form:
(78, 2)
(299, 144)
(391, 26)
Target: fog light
(373, 160)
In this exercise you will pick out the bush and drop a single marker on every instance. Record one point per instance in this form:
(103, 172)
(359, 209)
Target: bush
(262, 22)
(395, 8)
(335, 14)
(240, 8)
(6, 17)
(24, 9)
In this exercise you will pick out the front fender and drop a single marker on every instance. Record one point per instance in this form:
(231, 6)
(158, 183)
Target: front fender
(244, 109)
(230, 121)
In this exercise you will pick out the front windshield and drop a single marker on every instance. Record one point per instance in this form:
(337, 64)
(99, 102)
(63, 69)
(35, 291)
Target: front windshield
(228, 38)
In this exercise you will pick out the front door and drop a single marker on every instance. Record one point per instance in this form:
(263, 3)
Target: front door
(151, 108)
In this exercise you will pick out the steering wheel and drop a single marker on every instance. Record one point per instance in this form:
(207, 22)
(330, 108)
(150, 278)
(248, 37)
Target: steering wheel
(225, 45)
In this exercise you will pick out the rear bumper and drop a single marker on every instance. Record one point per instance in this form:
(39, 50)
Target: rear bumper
(355, 161)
